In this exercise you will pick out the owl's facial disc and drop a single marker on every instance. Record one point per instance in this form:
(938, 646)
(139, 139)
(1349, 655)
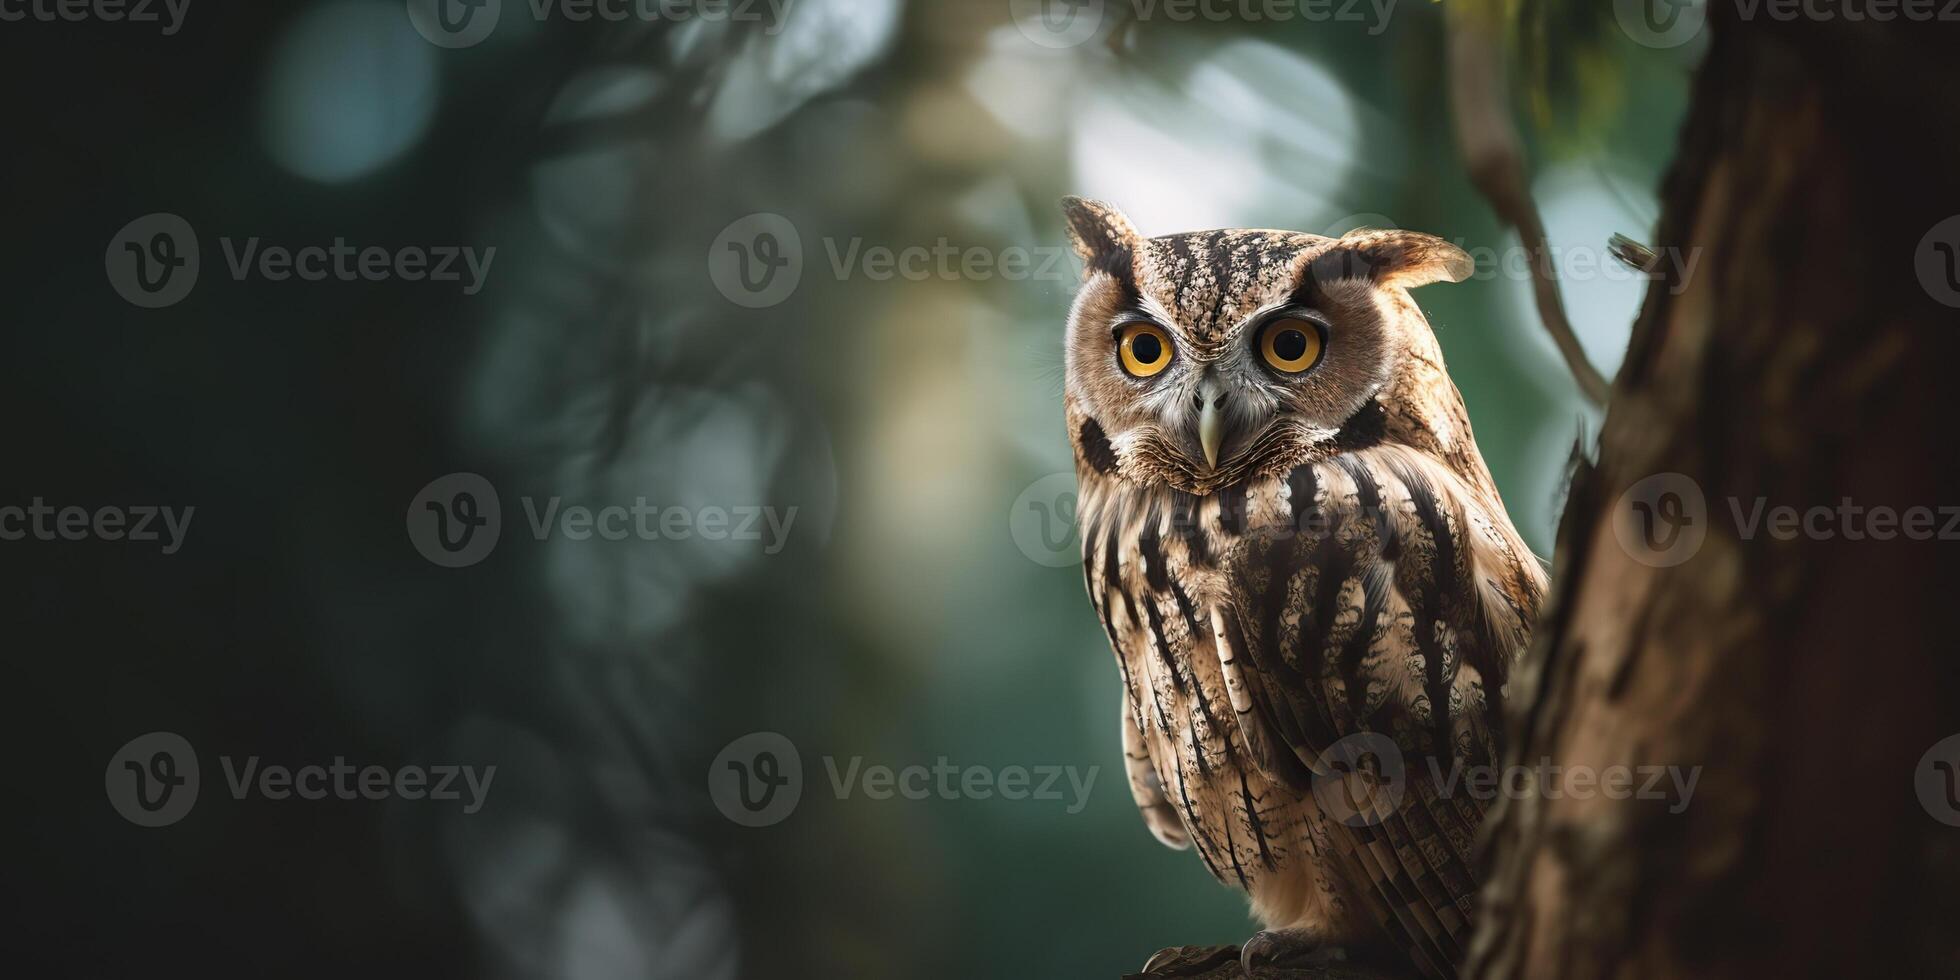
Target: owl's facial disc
(1200, 359)
(1240, 394)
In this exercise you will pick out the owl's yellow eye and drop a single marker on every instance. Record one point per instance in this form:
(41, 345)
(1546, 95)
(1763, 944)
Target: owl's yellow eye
(1290, 345)
(1144, 348)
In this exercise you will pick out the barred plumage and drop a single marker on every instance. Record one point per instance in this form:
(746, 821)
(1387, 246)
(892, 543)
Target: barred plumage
(1287, 561)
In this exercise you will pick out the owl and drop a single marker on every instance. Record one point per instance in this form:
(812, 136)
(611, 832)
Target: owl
(1311, 586)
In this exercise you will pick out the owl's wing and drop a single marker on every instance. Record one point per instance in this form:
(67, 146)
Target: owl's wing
(1384, 612)
(1146, 781)
(1148, 788)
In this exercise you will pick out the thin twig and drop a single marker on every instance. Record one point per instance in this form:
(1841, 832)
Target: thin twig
(1494, 154)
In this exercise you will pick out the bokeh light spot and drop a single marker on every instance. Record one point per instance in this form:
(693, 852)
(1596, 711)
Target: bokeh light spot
(351, 86)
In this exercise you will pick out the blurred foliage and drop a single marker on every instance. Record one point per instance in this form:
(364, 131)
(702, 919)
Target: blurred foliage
(903, 417)
(1572, 75)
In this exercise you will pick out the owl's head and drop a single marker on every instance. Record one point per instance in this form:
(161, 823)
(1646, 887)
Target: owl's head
(1197, 360)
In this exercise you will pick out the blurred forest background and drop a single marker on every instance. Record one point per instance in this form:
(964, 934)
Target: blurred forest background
(905, 419)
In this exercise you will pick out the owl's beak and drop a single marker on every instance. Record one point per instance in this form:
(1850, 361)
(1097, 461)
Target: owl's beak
(1211, 421)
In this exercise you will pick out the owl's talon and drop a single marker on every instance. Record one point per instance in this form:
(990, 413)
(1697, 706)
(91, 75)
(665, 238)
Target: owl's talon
(1188, 961)
(1274, 947)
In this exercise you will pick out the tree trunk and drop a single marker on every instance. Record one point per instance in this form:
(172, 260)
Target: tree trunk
(1802, 361)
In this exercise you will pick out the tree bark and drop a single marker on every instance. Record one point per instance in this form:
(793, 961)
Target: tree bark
(1799, 363)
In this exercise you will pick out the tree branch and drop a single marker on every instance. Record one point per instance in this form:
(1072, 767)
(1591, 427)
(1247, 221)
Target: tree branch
(1222, 963)
(1493, 152)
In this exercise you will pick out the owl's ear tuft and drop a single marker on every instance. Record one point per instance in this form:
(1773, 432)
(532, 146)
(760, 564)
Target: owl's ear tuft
(1100, 235)
(1405, 258)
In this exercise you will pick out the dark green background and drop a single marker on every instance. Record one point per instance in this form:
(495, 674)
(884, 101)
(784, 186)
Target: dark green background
(903, 418)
